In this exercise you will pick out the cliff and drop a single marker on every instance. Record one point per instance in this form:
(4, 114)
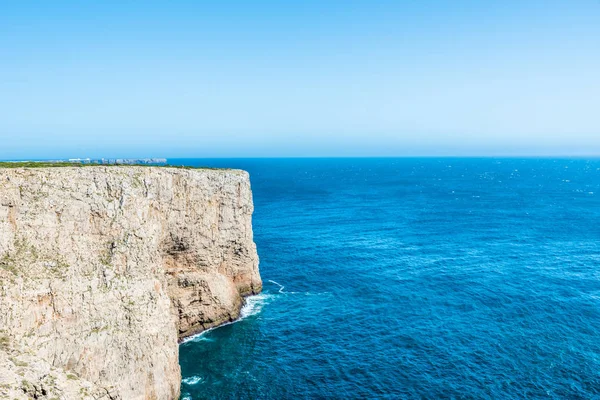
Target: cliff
(104, 269)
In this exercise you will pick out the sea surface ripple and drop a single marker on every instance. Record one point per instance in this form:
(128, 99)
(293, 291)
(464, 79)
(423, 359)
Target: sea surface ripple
(414, 278)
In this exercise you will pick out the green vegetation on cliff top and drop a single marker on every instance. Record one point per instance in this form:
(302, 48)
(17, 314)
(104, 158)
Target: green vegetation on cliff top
(45, 164)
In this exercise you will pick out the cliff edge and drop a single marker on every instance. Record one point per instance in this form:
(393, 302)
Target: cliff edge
(104, 269)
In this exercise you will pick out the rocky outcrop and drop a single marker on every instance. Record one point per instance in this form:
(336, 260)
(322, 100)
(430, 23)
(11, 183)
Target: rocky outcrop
(104, 269)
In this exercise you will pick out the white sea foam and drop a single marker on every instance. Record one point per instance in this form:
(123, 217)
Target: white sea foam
(281, 290)
(192, 380)
(200, 336)
(281, 287)
(252, 306)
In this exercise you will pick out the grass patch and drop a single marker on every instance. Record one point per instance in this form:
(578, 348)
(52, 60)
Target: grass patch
(4, 341)
(8, 263)
(18, 363)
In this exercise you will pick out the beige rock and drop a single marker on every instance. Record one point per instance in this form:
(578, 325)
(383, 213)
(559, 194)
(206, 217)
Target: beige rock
(104, 269)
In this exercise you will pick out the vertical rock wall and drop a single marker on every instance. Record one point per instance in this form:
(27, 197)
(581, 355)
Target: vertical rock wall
(104, 269)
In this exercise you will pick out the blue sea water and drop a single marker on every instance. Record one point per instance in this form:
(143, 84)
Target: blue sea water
(414, 278)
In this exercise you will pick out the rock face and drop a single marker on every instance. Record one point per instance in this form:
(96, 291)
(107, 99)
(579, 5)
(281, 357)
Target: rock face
(104, 269)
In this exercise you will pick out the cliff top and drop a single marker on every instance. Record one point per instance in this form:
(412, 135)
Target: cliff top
(45, 164)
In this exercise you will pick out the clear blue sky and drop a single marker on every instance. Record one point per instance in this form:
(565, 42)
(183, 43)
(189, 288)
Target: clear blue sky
(299, 78)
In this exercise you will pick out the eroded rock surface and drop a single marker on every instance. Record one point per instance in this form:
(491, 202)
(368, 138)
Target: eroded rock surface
(104, 269)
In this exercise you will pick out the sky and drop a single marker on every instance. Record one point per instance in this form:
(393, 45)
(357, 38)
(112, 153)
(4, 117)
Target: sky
(299, 78)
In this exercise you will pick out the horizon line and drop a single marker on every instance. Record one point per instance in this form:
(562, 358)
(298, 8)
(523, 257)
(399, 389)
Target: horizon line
(474, 156)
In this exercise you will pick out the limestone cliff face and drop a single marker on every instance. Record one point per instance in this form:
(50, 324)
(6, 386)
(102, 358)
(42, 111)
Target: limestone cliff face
(104, 269)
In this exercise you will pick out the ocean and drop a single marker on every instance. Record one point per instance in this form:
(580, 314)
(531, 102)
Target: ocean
(416, 278)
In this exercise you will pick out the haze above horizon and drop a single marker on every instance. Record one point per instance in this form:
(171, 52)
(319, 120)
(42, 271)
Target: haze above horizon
(283, 79)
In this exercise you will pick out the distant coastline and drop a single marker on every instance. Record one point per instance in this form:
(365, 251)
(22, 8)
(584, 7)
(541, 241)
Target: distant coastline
(103, 161)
